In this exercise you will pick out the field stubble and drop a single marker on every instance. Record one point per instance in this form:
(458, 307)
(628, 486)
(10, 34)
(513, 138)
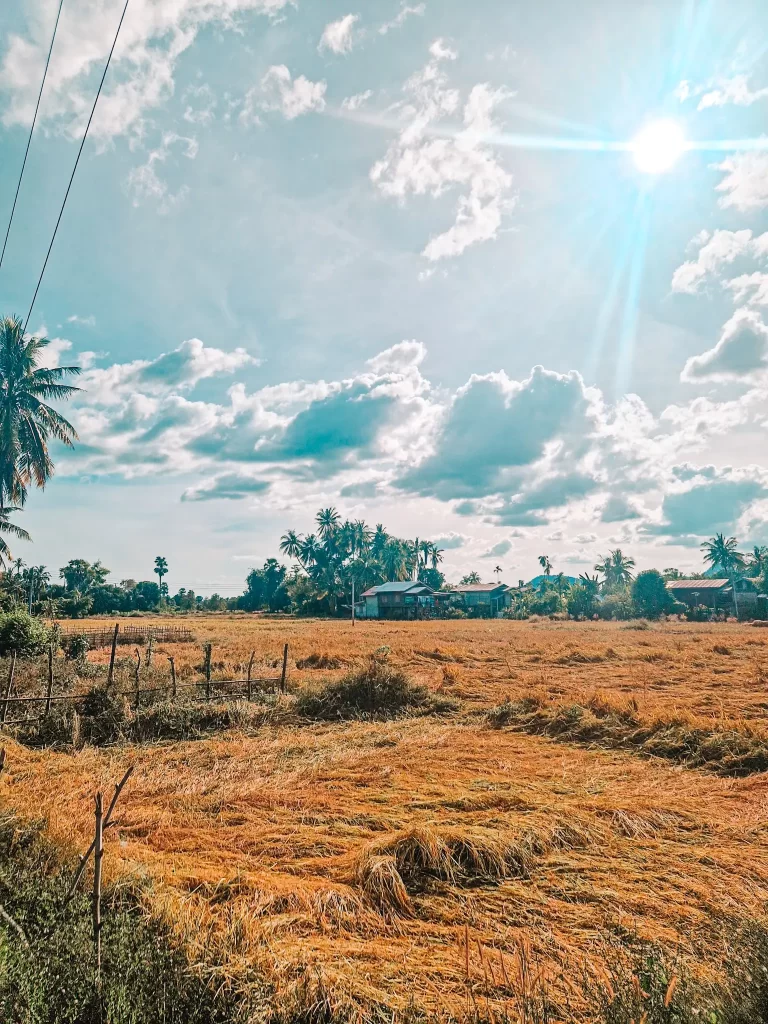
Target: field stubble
(355, 858)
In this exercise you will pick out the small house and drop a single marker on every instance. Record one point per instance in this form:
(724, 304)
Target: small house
(713, 593)
(402, 600)
(484, 598)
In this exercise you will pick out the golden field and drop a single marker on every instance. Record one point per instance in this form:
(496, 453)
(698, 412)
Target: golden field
(294, 854)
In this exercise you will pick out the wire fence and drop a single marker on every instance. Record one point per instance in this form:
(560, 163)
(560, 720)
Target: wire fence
(132, 635)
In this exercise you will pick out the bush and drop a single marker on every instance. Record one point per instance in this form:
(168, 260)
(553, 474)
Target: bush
(24, 634)
(76, 647)
(377, 690)
(650, 595)
(581, 602)
(617, 606)
(547, 603)
(145, 977)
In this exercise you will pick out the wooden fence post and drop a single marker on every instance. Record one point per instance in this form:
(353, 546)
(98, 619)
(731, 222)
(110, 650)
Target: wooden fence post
(285, 668)
(208, 649)
(173, 677)
(150, 648)
(111, 673)
(8, 686)
(49, 691)
(250, 667)
(137, 670)
(98, 854)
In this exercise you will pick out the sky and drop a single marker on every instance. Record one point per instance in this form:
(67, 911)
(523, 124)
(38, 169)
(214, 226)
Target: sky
(399, 258)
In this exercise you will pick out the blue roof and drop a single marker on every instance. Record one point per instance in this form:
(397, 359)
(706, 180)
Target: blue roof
(397, 588)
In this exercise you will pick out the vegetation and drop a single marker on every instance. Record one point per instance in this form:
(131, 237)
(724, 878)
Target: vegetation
(22, 634)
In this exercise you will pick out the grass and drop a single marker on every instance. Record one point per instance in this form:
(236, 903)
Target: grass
(330, 852)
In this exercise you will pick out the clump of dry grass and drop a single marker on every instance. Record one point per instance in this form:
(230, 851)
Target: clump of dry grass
(376, 690)
(602, 722)
(319, 661)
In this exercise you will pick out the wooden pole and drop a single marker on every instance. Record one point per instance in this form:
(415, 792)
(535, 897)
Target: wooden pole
(111, 673)
(8, 686)
(49, 691)
(137, 670)
(353, 600)
(208, 648)
(173, 677)
(98, 854)
(250, 668)
(285, 668)
(150, 648)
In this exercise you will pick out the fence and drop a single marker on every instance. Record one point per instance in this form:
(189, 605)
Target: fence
(206, 688)
(133, 635)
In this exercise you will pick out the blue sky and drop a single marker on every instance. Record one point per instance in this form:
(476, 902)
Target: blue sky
(390, 257)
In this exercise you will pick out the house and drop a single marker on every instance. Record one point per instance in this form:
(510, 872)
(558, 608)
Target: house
(489, 598)
(404, 600)
(714, 593)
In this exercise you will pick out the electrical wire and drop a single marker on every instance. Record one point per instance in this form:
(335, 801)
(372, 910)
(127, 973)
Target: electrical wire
(31, 130)
(74, 169)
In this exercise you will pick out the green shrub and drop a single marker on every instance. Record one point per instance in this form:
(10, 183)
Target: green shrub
(75, 647)
(377, 690)
(548, 603)
(617, 606)
(581, 602)
(23, 633)
(145, 978)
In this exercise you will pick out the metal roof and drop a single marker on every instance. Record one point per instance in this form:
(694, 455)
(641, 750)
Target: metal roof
(697, 584)
(466, 588)
(396, 588)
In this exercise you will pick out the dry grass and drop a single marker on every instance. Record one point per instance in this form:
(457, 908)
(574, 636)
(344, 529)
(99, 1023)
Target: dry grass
(344, 860)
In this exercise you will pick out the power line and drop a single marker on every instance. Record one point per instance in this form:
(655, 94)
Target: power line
(31, 130)
(74, 169)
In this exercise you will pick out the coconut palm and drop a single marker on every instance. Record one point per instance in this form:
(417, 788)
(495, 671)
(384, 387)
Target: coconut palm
(498, 570)
(436, 555)
(758, 560)
(309, 549)
(328, 521)
(616, 569)
(291, 544)
(724, 554)
(546, 565)
(27, 424)
(6, 526)
(394, 559)
(590, 583)
(425, 549)
(378, 541)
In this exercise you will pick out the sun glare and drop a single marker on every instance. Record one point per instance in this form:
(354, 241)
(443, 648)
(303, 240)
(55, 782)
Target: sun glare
(658, 146)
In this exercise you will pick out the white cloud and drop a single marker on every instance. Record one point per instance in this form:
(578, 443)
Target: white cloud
(153, 37)
(356, 101)
(52, 354)
(291, 97)
(452, 540)
(144, 183)
(734, 90)
(339, 36)
(418, 163)
(84, 321)
(201, 104)
(750, 288)
(440, 50)
(717, 250)
(741, 352)
(400, 358)
(402, 16)
(745, 185)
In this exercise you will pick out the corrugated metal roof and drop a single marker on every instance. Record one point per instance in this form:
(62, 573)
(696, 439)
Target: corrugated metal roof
(397, 588)
(482, 588)
(697, 584)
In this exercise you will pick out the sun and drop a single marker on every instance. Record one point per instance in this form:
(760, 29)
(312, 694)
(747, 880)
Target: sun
(658, 147)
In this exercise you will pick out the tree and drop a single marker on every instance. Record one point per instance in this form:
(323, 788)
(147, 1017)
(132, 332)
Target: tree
(545, 564)
(432, 577)
(309, 549)
(470, 579)
(616, 569)
(436, 556)
(83, 576)
(27, 424)
(498, 570)
(161, 569)
(650, 595)
(394, 559)
(724, 554)
(560, 583)
(590, 583)
(758, 560)
(581, 601)
(672, 574)
(6, 526)
(328, 520)
(291, 544)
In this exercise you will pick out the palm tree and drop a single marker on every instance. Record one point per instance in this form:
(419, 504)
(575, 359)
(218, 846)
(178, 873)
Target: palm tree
(291, 544)
(425, 547)
(13, 530)
(328, 520)
(498, 570)
(437, 556)
(758, 559)
(724, 554)
(161, 569)
(379, 541)
(616, 568)
(27, 424)
(545, 564)
(36, 578)
(590, 583)
(470, 579)
(309, 549)
(560, 583)
(394, 559)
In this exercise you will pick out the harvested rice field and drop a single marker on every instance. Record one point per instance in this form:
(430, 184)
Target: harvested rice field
(567, 783)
